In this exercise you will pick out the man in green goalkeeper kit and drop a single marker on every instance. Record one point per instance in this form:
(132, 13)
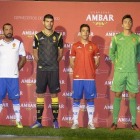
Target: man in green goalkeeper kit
(125, 54)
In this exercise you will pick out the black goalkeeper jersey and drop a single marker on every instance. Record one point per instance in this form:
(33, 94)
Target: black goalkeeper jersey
(48, 46)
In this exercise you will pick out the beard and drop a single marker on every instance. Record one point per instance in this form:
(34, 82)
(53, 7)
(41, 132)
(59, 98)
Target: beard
(8, 36)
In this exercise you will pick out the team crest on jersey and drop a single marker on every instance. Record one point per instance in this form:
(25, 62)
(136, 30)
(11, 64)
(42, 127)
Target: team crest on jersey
(14, 45)
(134, 39)
(90, 48)
(54, 39)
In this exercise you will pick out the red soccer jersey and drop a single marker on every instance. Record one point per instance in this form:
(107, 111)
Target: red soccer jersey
(84, 65)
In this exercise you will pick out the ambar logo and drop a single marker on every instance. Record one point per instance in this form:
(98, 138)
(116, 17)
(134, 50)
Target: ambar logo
(109, 107)
(68, 119)
(124, 120)
(28, 82)
(68, 45)
(67, 95)
(28, 106)
(68, 70)
(29, 33)
(111, 33)
(100, 18)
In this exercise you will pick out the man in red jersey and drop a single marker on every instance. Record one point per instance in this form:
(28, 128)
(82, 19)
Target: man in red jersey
(84, 59)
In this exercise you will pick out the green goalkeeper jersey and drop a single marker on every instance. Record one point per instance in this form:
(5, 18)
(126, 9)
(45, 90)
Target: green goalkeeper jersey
(125, 52)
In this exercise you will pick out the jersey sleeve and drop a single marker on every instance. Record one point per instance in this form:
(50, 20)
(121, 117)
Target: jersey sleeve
(97, 52)
(72, 52)
(138, 51)
(60, 42)
(113, 48)
(21, 50)
(35, 42)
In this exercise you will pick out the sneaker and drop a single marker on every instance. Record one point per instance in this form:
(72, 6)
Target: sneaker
(36, 125)
(75, 126)
(113, 126)
(91, 126)
(19, 125)
(135, 127)
(55, 124)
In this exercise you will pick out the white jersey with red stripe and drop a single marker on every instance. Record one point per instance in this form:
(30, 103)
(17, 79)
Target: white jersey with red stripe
(9, 57)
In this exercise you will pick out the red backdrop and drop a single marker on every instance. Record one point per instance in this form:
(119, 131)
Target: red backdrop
(105, 21)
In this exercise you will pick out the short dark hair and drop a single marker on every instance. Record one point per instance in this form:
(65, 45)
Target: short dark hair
(7, 24)
(84, 25)
(127, 16)
(48, 16)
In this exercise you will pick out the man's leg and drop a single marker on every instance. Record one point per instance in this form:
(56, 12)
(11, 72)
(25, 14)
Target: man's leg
(41, 89)
(116, 106)
(78, 86)
(133, 110)
(55, 107)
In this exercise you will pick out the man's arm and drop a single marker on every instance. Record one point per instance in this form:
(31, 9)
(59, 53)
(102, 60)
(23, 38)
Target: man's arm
(97, 61)
(60, 54)
(72, 62)
(112, 50)
(35, 54)
(22, 62)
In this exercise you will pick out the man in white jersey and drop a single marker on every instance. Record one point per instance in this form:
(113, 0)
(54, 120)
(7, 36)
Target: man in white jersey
(10, 51)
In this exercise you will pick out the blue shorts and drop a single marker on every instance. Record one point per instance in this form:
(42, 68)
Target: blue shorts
(88, 86)
(10, 86)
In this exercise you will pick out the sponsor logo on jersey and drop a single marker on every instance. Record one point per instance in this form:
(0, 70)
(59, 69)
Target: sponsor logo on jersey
(28, 82)
(68, 45)
(68, 70)
(134, 39)
(109, 107)
(111, 33)
(29, 33)
(100, 71)
(100, 18)
(28, 106)
(79, 47)
(67, 94)
(83, 107)
(124, 120)
(91, 34)
(68, 119)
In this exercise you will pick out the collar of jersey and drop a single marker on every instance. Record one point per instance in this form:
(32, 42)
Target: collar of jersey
(47, 34)
(8, 42)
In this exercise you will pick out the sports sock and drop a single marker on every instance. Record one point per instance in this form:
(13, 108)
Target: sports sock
(116, 109)
(55, 108)
(16, 108)
(90, 110)
(40, 109)
(76, 108)
(133, 109)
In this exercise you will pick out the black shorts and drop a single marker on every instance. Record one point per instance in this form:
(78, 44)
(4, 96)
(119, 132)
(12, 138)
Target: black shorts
(50, 78)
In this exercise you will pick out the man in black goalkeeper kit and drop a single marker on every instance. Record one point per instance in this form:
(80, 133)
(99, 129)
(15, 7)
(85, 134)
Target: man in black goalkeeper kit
(48, 51)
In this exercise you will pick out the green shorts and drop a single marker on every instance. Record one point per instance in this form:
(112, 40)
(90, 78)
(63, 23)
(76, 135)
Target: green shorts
(125, 81)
